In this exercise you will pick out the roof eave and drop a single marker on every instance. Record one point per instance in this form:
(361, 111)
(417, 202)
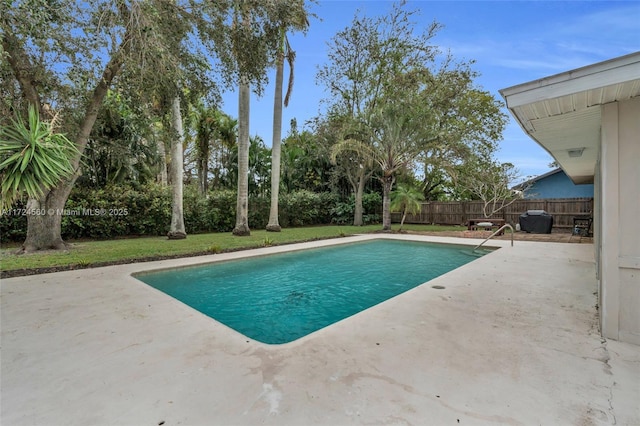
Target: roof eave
(563, 112)
(602, 74)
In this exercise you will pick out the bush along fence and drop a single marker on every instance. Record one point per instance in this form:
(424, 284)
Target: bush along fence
(121, 211)
(563, 211)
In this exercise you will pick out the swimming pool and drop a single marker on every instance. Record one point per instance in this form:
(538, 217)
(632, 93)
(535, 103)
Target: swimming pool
(279, 298)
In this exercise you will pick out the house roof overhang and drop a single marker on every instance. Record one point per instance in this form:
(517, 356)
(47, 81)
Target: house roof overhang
(563, 112)
(535, 179)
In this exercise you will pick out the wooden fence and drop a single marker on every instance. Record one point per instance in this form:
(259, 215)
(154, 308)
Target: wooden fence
(563, 211)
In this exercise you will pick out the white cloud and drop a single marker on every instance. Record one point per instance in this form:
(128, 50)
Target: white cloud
(609, 23)
(557, 45)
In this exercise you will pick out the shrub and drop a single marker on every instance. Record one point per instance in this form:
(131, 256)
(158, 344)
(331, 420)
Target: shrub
(221, 211)
(121, 211)
(197, 218)
(13, 225)
(259, 209)
(326, 203)
(343, 211)
(372, 207)
(146, 210)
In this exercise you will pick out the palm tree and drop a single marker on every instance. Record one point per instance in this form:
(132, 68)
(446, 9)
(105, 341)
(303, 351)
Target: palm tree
(259, 166)
(406, 199)
(394, 144)
(228, 134)
(244, 100)
(242, 205)
(272, 18)
(211, 123)
(283, 51)
(33, 158)
(205, 130)
(177, 230)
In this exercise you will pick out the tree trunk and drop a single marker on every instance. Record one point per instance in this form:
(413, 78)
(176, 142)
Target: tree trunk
(44, 223)
(162, 176)
(44, 231)
(404, 215)
(202, 175)
(205, 174)
(387, 183)
(274, 225)
(177, 230)
(359, 210)
(242, 205)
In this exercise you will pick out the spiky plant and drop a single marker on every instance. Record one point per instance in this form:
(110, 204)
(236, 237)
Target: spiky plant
(33, 157)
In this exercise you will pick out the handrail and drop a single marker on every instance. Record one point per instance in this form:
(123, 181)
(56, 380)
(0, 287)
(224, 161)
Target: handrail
(495, 233)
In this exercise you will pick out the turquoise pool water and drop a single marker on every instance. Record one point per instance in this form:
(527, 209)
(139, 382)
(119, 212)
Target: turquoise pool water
(279, 298)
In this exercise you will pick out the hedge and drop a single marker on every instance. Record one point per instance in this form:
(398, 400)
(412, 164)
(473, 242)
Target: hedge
(147, 211)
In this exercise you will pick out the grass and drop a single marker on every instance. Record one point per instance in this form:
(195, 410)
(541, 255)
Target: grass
(83, 254)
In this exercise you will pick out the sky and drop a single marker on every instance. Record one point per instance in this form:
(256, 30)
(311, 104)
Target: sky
(511, 42)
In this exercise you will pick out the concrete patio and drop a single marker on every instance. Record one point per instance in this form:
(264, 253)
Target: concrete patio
(511, 339)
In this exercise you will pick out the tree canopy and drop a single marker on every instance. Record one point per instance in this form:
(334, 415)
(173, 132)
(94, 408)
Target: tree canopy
(64, 55)
(395, 97)
(116, 73)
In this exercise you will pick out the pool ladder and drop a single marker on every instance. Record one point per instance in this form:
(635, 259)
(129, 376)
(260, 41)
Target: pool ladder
(496, 233)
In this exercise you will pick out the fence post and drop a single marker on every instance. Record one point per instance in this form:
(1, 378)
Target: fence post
(464, 213)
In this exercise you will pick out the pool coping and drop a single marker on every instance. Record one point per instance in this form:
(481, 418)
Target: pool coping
(298, 247)
(512, 339)
(308, 245)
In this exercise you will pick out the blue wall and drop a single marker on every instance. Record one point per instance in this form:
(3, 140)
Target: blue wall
(558, 185)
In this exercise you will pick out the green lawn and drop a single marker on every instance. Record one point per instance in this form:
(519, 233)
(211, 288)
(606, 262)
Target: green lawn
(84, 254)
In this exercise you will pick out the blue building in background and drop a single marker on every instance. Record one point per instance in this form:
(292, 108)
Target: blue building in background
(555, 184)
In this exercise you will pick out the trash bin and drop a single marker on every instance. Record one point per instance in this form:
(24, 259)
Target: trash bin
(536, 222)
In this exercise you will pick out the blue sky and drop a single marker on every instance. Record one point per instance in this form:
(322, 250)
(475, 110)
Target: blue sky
(512, 42)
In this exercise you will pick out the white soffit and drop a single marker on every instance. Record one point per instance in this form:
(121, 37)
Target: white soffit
(609, 74)
(563, 111)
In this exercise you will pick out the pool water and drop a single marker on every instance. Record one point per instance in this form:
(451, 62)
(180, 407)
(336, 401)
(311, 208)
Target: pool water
(279, 298)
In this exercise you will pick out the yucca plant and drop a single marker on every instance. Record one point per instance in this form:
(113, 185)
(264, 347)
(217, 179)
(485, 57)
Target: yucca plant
(33, 157)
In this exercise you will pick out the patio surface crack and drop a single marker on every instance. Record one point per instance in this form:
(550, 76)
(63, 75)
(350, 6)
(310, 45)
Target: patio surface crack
(608, 369)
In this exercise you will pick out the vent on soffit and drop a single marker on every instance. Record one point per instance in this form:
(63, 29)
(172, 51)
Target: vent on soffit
(575, 152)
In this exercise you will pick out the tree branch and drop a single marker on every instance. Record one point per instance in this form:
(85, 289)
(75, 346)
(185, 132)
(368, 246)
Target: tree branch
(99, 92)
(21, 66)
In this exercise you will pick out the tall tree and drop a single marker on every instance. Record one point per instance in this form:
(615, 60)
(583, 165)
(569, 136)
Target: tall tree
(26, 46)
(177, 230)
(206, 134)
(351, 90)
(215, 139)
(404, 98)
(356, 168)
(143, 44)
(284, 50)
(226, 169)
(244, 99)
(257, 25)
(259, 167)
(242, 204)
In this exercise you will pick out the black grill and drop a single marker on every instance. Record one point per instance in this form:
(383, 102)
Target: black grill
(536, 222)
